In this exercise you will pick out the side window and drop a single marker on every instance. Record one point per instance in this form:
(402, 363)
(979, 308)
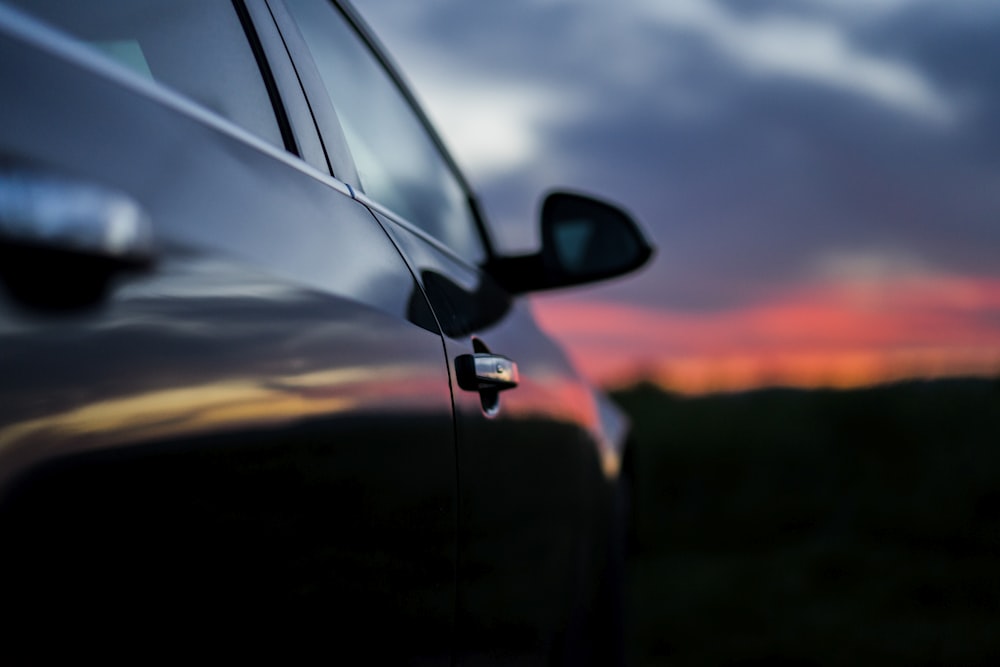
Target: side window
(398, 163)
(198, 48)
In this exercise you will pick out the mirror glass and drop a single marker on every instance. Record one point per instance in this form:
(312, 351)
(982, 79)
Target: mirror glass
(583, 237)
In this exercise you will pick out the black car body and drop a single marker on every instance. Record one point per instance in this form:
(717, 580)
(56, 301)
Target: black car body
(257, 357)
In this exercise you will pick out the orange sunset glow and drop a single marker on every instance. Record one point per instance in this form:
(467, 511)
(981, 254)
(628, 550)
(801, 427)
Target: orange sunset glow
(828, 334)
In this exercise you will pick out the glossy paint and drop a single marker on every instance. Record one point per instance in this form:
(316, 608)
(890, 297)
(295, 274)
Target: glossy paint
(534, 499)
(253, 436)
(259, 438)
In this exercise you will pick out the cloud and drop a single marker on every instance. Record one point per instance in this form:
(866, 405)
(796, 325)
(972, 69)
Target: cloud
(868, 266)
(494, 119)
(819, 334)
(491, 127)
(873, 9)
(806, 49)
(755, 138)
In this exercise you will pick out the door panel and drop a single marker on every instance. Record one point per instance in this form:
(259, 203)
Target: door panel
(250, 441)
(533, 497)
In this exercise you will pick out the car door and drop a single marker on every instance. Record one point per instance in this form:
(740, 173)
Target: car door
(225, 414)
(533, 468)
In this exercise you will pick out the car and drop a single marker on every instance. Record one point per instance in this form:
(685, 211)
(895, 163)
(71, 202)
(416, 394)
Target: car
(265, 381)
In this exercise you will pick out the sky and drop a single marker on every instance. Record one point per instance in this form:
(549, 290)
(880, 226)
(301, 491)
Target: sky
(821, 177)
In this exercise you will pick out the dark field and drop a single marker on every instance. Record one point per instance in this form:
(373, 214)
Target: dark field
(785, 527)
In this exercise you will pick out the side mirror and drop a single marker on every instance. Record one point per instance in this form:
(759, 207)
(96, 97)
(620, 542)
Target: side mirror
(583, 240)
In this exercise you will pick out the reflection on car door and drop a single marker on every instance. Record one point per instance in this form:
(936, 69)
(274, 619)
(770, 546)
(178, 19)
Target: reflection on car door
(248, 441)
(531, 485)
(532, 493)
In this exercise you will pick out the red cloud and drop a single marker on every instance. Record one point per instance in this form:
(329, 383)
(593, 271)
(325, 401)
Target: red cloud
(839, 334)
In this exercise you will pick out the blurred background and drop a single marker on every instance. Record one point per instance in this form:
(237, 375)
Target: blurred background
(821, 177)
(822, 180)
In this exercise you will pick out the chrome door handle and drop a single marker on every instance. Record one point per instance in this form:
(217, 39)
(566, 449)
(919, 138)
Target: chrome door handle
(485, 372)
(52, 213)
(62, 241)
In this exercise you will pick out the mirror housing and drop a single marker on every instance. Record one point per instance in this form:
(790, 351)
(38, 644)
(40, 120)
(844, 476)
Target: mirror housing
(584, 240)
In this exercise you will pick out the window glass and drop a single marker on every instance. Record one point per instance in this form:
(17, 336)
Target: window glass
(398, 163)
(197, 47)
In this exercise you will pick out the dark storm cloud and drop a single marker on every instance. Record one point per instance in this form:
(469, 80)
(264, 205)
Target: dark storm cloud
(959, 49)
(785, 174)
(748, 166)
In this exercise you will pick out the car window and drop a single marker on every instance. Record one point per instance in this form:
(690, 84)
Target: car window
(197, 47)
(398, 163)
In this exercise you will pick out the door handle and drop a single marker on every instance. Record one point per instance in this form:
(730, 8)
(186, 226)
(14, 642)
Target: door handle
(62, 241)
(485, 372)
(50, 213)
